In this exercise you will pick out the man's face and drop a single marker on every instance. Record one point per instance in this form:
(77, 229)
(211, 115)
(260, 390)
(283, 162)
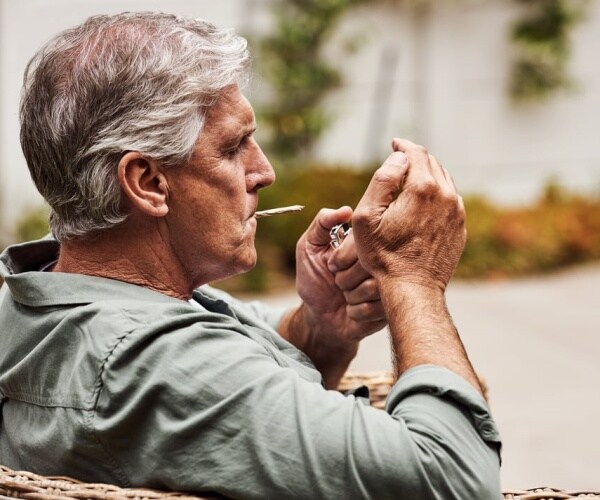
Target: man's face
(213, 198)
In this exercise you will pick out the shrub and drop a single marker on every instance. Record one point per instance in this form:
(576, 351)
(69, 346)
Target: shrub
(559, 229)
(32, 225)
(315, 187)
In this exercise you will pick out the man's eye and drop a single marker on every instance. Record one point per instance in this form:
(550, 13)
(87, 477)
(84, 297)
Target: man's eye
(230, 153)
(233, 151)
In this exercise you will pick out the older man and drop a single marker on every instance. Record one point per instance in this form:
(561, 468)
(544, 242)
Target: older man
(119, 363)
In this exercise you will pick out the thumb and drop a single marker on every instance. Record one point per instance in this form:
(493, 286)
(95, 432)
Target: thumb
(318, 232)
(385, 184)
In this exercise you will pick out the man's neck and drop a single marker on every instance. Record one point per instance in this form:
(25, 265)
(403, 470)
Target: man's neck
(129, 254)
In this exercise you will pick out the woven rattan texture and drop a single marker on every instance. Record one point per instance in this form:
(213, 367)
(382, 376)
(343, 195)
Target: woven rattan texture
(548, 494)
(379, 384)
(34, 487)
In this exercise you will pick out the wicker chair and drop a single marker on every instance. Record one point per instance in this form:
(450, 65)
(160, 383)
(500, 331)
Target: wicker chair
(31, 486)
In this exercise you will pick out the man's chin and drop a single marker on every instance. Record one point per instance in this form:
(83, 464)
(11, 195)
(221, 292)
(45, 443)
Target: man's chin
(251, 263)
(246, 262)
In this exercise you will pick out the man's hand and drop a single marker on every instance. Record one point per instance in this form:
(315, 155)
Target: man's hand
(333, 285)
(409, 229)
(410, 223)
(340, 300)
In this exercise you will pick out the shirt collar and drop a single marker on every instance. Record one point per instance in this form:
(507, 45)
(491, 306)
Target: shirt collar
(19, 267)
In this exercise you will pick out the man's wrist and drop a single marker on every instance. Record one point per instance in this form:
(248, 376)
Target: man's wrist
(310, 333)
(320, 336)
(421, 329)
(398, 292)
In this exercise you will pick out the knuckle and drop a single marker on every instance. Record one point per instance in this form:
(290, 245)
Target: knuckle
(427, 189)
(370, 288)
(418, 149)
(323, 212)
(460, 207)
(383, 176)
(358, 312)
(361, 218)
(340, 281)
(451, 198)
(455, 213)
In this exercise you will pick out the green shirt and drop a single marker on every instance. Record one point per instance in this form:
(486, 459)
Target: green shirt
(107, 381)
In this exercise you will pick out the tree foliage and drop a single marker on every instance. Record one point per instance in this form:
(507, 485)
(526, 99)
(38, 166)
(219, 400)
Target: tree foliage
(542, 42)
(300, 76)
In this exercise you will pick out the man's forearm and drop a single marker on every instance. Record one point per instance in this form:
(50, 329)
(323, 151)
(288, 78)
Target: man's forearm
(421, 329)
(329, 355)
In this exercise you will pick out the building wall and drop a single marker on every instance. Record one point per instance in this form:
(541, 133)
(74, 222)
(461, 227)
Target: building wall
(449, 92)
(437, 75)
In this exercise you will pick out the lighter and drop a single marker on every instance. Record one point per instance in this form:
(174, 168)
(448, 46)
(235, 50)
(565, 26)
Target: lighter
(338, 234)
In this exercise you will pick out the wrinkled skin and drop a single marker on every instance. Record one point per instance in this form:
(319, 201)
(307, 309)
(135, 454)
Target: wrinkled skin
(333, 285)
(417, 237)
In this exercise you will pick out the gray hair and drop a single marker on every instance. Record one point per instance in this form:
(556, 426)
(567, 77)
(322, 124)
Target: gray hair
(130, 82)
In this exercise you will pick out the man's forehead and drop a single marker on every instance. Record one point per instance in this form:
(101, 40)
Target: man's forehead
(231, 113)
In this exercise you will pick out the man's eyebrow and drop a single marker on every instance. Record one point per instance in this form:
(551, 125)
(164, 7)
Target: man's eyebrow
(240, 134)
(249, 130)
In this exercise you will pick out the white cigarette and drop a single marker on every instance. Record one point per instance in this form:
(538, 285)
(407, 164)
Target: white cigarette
(277, 211)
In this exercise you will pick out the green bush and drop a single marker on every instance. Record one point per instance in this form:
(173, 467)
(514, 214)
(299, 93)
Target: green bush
(32, 225)
(557, 230)
(315, 187)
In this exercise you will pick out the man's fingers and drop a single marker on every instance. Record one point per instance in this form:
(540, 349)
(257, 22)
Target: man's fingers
(424, 170)
(318, 231)
(366, 291)
(352, 277)
(367, 312)
(438, 173)
(420, 170)
(385, 184)
(344, 257)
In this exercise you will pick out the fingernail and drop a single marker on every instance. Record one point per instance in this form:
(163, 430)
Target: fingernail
(332, 267)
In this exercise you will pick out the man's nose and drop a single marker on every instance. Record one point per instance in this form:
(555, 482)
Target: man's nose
(263, 174)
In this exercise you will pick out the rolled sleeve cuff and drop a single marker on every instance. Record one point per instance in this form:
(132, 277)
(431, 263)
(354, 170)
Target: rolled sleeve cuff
(441, 382)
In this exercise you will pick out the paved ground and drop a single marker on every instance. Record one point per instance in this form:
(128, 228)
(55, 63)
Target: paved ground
(537, 343)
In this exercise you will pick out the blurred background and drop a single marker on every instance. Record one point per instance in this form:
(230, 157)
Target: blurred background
(506, 93)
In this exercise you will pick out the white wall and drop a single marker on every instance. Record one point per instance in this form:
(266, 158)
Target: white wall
(449, 91)
(443, 83)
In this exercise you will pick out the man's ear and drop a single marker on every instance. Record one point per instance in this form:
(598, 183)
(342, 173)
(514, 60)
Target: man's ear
(144, 184)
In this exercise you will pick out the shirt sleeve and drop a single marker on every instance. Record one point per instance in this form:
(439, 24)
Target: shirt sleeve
(210, 410)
